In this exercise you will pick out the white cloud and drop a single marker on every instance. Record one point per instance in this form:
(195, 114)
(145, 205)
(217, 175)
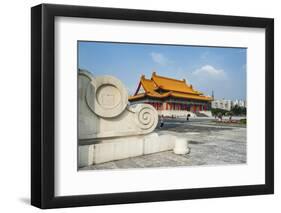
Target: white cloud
(208, 71)
(159, 58)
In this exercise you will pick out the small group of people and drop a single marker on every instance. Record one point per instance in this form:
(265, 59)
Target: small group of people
(161, 118)
(220, 117)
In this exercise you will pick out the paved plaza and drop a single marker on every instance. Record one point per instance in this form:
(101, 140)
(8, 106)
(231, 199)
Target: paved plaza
(211, 143)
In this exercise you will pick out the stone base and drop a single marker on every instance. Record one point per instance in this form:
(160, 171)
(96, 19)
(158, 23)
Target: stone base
(116, 149)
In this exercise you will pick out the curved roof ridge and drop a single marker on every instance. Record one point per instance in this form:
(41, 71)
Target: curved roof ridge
(169, 78)
(145, 84)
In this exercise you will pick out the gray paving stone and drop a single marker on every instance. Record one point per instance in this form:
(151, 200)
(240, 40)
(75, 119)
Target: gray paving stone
(214, 145)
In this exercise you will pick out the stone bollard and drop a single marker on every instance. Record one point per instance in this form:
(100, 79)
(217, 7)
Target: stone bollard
(181, 146)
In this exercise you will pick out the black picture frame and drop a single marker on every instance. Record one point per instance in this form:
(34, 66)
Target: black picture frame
(43, 105)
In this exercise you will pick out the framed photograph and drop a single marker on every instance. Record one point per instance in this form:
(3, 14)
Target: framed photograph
(136, 106)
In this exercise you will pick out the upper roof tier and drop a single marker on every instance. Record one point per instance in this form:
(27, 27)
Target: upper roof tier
(171, 84)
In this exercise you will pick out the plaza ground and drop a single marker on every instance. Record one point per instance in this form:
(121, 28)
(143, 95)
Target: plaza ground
(211, 143)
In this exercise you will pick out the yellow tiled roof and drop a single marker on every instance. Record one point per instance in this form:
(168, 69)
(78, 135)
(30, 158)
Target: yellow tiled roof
(195, 97)
(172, 94)
(140, 95)
(148, 85)
(173, 84)
(173, 87)
(150, 94)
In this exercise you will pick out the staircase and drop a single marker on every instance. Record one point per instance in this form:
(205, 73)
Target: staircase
(199, 114)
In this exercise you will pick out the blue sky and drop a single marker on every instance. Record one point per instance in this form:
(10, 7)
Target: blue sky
(206, 68)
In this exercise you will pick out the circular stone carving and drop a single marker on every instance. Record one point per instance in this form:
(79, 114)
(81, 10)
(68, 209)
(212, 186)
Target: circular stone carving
(147, 117)
(106, 96)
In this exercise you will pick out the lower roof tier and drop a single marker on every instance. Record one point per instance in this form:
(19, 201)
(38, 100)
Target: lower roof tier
(170, 94)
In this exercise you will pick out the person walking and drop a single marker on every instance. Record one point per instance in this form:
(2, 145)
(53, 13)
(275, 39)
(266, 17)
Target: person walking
(161, 121)
(230, 117)
(187, 117)
(220, 116)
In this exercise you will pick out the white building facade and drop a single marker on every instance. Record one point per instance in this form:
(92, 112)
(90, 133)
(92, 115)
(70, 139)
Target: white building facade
(240, 103)
(222, 104)
(227, 104)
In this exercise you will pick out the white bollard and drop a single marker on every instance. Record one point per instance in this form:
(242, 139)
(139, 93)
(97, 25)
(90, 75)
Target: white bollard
(181, 146)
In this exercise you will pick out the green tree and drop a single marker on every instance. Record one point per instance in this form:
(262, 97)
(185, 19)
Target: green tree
(216, 112)
(237, 110)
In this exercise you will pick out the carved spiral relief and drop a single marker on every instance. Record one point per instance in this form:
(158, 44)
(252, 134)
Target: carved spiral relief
(104, 111)
(147, 117)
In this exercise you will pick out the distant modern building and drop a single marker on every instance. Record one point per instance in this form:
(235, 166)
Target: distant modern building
(170, 96)
(227, 104)
(240, 103)
(222, 104)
